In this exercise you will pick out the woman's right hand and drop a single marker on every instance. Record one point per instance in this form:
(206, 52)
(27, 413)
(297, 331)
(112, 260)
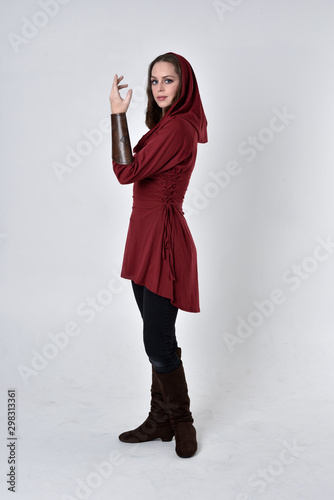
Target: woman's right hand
(117, 104)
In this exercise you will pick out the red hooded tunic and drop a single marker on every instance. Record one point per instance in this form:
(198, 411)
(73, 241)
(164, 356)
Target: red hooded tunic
(160, 252)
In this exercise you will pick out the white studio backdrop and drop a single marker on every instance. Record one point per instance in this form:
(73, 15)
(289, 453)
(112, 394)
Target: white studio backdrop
(260, 207)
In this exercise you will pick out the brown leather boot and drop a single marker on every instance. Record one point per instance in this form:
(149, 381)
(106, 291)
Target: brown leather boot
(157, 424)
(175, 392)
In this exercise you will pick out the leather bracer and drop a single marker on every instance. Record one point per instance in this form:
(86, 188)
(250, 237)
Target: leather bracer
(121, 146)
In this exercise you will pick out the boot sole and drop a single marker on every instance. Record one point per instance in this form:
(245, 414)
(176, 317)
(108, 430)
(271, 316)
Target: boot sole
(164, 439)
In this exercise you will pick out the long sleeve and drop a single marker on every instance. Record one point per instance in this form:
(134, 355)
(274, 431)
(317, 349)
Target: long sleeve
(170, 146)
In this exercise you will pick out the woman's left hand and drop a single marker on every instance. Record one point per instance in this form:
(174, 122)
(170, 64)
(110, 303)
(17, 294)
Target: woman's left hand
(117, 104)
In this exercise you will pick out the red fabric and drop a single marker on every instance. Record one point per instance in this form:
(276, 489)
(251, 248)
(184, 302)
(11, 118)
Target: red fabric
(160, 252)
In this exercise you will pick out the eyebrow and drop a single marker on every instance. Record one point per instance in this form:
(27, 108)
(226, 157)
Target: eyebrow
(163, 76)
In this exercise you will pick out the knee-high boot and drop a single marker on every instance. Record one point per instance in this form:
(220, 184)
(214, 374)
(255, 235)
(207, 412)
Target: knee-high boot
(157, 424)
(175, 392)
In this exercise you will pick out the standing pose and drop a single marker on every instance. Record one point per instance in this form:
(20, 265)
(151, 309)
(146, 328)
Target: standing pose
(160, 255)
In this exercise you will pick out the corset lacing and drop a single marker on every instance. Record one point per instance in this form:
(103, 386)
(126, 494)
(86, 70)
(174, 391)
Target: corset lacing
(169, 182)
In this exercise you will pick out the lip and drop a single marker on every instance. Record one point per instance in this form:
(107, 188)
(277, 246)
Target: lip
(161, 98)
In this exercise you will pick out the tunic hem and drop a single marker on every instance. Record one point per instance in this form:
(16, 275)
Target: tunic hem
(133, 278)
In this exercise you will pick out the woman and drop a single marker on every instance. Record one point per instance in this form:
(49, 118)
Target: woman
(160, 255)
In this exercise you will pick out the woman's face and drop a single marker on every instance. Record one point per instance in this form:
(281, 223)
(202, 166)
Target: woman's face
(165, 84)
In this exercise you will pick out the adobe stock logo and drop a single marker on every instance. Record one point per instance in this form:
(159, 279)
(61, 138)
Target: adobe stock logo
(255, 143)
(289, 454)
(223, 8)
(31, 28)
(248, 324)
(57, 342)
(84, 148)
(3, 236)
(248, 148)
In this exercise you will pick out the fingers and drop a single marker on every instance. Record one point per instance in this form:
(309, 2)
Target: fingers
(128, 97)
(116, 82)
(116, 101)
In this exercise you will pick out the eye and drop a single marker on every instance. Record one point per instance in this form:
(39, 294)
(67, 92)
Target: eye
(168, 80)
(154, 82)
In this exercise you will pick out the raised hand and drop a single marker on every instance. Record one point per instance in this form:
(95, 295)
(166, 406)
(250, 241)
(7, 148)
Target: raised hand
(117, 103)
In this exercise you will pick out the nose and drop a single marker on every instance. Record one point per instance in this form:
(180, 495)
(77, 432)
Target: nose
(160, 86)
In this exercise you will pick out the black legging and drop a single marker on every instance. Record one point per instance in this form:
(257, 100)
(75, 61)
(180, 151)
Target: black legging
(159, 317)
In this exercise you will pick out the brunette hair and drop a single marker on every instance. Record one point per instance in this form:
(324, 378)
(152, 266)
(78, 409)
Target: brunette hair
(153, 111)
